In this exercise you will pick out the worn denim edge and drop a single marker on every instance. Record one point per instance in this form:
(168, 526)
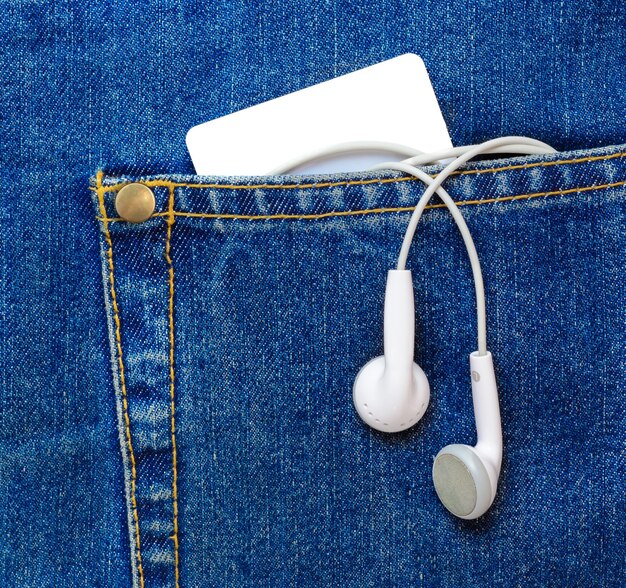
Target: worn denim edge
(111, 177)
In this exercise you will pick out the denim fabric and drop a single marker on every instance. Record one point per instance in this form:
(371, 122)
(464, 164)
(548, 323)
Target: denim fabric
(248, 305)
(115, 86)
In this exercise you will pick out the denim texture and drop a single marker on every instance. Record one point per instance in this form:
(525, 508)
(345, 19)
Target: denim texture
(278, 483)
(251, 303)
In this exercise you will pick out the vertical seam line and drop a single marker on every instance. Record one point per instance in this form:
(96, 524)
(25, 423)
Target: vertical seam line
(120, 361)
(168, 256)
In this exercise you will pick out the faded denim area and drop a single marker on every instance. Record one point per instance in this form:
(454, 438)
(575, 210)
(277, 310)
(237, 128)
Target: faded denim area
(253, 303)
(287, 310)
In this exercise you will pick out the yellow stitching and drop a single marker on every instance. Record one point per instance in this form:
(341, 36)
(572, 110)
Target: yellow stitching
(170, 222)
(291, 216)
(171, 214)
(118, 339)
(377, 210)
(539, 164)
(170, 184)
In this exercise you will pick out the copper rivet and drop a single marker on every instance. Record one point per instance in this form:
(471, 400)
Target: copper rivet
(135, 203)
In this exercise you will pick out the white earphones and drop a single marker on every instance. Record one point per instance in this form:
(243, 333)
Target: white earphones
(391, 392)
(465, 477)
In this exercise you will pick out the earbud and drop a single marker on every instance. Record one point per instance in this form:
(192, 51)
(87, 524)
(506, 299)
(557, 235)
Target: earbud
(391, 392)
(466, 478)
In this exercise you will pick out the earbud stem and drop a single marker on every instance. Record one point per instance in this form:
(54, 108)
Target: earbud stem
(399, 335)
(399, 322)
(486, 408)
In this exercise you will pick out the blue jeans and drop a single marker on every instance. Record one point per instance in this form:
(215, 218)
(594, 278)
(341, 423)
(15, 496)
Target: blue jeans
(190, 423)
(240, 313)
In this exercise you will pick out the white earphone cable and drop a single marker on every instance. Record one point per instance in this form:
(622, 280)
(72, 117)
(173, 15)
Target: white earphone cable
(537, 148)
(461, 155)
(467, 239)
(348, 147)
(470, 152)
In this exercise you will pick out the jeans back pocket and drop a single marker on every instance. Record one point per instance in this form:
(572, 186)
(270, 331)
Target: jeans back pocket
(240, 312)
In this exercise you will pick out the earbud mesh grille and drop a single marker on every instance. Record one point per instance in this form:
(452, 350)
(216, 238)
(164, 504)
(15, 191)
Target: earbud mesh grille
(455, 485)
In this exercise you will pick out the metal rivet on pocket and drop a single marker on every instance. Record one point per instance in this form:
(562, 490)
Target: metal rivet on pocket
(135, 203)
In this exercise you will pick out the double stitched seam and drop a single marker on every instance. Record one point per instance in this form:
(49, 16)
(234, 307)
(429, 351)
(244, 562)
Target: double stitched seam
(394, 209)
(120, 360)
(168, 184)
(168, 256)
(376, 210)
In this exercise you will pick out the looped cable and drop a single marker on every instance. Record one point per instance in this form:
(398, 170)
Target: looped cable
(518, 145)
(510, 145)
